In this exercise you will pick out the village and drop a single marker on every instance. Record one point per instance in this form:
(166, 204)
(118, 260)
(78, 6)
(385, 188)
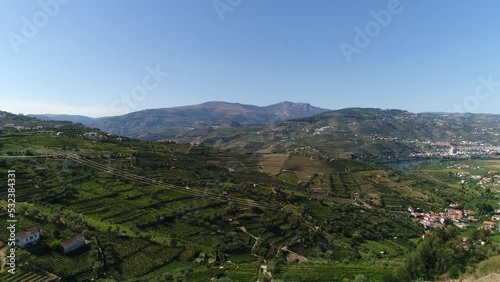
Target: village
(462, 149)
(454, 215)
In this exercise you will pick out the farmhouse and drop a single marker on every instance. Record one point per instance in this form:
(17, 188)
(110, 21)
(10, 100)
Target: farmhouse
(489, 225)
(28, 236)
(197, 143)
(91, 134)
(455, 214)
(318, 190)
(472, 219)
(469, 212)
(73, 243)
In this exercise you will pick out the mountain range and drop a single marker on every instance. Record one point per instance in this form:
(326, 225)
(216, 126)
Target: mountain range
(366, 133)
(170, 123)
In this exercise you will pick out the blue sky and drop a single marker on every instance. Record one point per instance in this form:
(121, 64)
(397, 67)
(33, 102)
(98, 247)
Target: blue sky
(93, 57)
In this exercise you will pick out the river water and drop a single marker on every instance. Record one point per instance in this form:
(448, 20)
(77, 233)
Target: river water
(411, 163)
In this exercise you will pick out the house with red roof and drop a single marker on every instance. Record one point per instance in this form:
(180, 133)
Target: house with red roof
(489, 225)
(73, 243)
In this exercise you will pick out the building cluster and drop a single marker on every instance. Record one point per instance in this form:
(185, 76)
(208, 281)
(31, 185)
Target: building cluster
(95, 135)
(39, 129)
(456, 149)
(493, 176)
(453, 215)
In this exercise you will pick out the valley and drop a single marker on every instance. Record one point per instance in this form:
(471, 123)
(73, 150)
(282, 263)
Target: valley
(182, 212)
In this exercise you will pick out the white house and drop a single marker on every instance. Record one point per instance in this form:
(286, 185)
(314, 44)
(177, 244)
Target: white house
(28, 236)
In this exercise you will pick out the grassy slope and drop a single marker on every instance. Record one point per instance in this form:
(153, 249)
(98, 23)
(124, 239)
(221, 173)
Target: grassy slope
(166, 226)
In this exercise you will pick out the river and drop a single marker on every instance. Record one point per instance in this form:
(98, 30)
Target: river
(412, 163)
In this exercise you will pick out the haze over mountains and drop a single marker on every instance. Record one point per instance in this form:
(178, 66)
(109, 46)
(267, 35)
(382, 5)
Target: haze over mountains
(168, 123)
(63, 117)
(366, 133)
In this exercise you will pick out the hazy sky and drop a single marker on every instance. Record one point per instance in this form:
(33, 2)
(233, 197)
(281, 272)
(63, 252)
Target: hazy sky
(101, 58)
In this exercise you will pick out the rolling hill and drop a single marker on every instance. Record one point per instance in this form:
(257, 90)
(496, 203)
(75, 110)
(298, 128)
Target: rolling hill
(367, 134)
(73, 118)
(168, 123)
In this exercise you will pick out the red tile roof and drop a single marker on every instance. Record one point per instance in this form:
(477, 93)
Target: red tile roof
(72, 240)
(26, 233)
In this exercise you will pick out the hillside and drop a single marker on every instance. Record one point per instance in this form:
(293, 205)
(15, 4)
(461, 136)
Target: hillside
(367, 134)
(155, 210)
(73, 118)
(168, 123)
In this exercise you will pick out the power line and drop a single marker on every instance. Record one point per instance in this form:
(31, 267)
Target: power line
(189, 191)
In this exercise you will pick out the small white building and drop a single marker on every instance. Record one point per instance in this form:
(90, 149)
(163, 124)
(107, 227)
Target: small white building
(28, 236)
(73, 243)
(91, 134)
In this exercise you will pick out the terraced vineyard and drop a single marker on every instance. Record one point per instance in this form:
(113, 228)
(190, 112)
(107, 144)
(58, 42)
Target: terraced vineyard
(154, 210)
(337, 273)
(273, 163)
(30, 277)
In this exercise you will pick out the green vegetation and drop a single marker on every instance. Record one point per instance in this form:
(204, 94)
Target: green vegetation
(443, 252)
(372, 135)
(175, 212)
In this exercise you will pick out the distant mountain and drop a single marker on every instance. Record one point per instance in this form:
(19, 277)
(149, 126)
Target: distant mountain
(368, 134)
(73, 118)
(171, 123)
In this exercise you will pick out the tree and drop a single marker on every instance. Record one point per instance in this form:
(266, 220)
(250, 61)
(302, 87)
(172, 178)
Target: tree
(435, 255)
(454, 271)
(448, 222)
(485, 209)
(53, 218)
(55, 245)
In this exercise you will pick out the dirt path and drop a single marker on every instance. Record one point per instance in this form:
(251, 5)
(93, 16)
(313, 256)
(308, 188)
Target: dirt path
(257, 239)
(292, 256)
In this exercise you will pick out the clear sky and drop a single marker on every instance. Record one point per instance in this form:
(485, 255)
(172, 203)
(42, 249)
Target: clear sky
(96, 57)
